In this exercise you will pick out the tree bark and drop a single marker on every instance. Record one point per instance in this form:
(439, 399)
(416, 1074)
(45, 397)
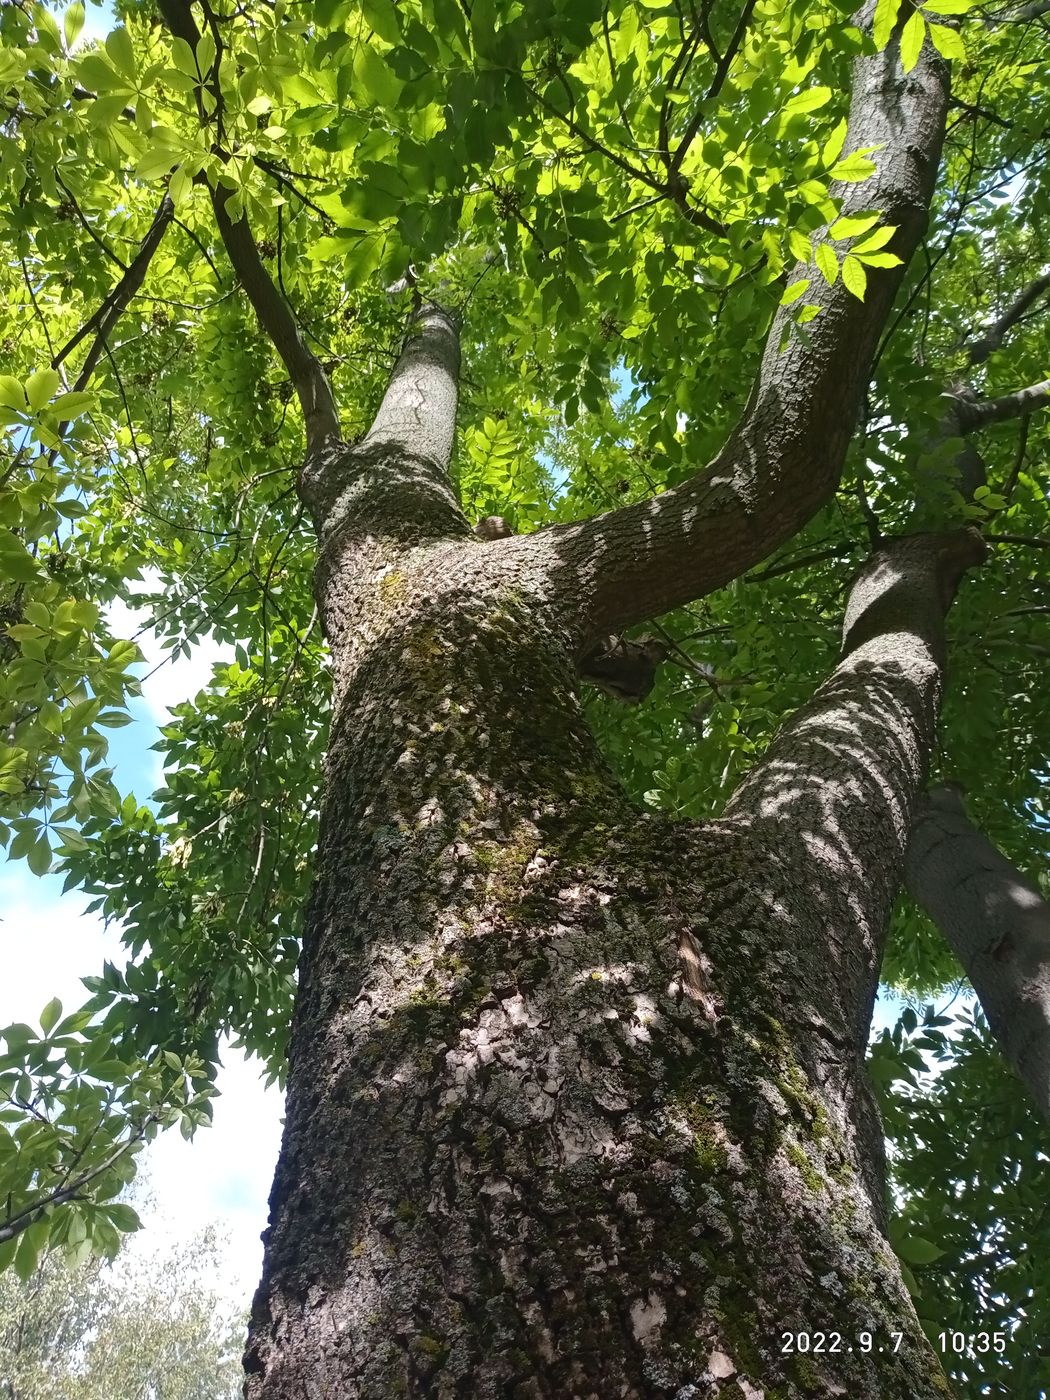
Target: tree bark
(996, 923)
(574, 1105)
(576, 1101)
(782, 461)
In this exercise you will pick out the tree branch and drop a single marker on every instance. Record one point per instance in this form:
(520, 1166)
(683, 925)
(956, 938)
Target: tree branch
(996, 923)
(320, 414)
(673, 189)
(419, 404)
(29, 1215)
(85, 223)
(783, 459)
(978, 413)
(105, 318)
(1027, 541)
(396, 478)
(1022, 15)
(992, 336)
(844, 772)
(721, 73)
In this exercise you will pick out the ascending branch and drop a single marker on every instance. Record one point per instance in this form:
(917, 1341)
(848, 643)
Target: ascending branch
(843, 774)
(320, 413)
(993, 335)
(395, 479)
(966, 412)
(782, 462)
(997, 925)
(111, 309)
(419, 405)
(978, 413)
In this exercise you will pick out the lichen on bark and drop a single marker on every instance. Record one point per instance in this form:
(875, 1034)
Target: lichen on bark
(532, 1147)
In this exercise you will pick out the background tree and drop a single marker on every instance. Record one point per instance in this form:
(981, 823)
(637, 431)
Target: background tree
(81, 1332)
(622, 204)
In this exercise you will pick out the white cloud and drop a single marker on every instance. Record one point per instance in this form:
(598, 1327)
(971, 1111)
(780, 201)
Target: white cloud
(223, 1176)
(166, 682)
(49, 944)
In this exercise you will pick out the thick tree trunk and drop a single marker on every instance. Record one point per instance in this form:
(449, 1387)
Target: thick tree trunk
(996, 923)
(576, 1102)
(576, 1099)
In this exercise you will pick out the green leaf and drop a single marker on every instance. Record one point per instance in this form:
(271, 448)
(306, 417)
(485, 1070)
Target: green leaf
(912, 39)
(50, 1016)
(184, 59)
(205, 52)
(16, 563)
(374, 79)
(157, 160)
(40, 386)
(124, 1217)
(878, 239)
(854, 168)
(878, 259)
(827, 263)
(854, 277)
(794, 291)
(100, 75)
(799, 246)
(809, 100)
(948, 42)
(949, 7)
(381, 17)
(886, 12)
(180, 185)
(72, 838)
(85, 613)
(362, 257)
(73, 22)
(834, 144)
(917, 1250)
(39, 857)
(118, 46)
(72, 405)
(27, 1251)
(12, 395)
(852, 225)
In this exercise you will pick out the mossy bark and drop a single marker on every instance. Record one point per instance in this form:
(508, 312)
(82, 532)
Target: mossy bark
(576, 1099)
(577, 1103)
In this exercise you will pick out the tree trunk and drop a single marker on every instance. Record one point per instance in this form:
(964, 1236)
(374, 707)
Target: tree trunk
(576, 1103)
(576, 1099)
(996, 923)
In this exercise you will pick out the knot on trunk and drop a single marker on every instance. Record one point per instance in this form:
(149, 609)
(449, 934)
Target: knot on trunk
(625, 670)
(492, 527)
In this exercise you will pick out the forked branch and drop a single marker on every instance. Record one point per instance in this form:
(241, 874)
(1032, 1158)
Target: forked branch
(783, 459)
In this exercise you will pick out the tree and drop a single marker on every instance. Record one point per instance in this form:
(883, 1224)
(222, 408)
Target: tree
(82, 1333)
(576, 1089)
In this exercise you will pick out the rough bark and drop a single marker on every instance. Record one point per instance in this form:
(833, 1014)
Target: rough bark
(782, 461)
(574, 1106)
(573, 1109)
(997, 924)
